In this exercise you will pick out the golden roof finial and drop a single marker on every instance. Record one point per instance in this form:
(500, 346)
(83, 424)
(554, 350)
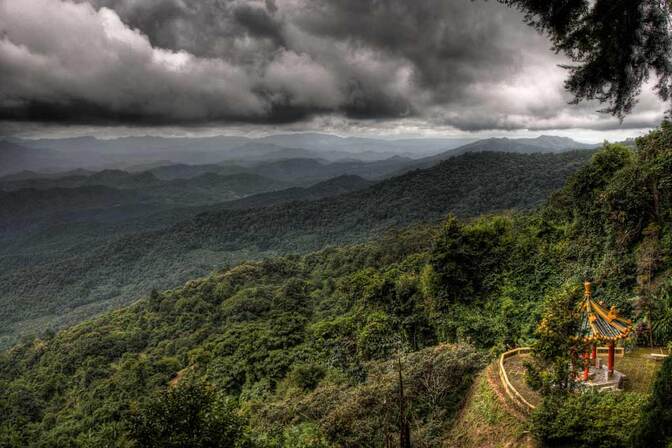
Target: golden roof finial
(598, 323)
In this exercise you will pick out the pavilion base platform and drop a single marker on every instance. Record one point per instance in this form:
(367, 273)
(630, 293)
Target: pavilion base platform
(600, 380)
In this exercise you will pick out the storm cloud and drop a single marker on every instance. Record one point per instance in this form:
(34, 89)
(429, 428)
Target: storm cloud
(470, 65)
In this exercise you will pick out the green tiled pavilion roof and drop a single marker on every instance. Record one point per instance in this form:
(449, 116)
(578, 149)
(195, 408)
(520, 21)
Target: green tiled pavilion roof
(598, 324)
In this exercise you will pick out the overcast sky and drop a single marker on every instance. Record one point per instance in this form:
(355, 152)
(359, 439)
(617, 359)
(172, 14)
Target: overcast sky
(358, 67)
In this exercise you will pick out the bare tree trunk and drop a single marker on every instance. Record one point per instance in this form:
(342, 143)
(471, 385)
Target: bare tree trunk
(650, 324)
(404, 428)
(648, 301)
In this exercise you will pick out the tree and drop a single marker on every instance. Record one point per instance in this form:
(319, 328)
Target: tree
(404, 427)
(556, 350)
(155, 300)
(614, 45)
(188, 416)
(553, 369)
(648, 258)
(662, 326)
(463, 255)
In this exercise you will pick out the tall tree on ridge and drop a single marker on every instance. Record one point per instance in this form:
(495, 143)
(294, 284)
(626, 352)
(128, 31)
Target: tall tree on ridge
(615, 46)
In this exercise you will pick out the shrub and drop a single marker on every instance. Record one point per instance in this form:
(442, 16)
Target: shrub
(306, 376)
(591, 419)
(304, 435)
(189, 415)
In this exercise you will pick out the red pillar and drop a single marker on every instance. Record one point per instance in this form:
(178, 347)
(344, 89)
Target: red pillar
(594, 356)
(586, 366)
(610, 360)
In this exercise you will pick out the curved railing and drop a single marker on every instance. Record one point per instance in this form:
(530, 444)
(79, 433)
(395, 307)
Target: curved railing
(515, 396)
(511, 391)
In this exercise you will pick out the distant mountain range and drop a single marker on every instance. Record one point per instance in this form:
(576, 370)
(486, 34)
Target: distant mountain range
(542, 144)
(46, 156)
(259, 177)
(332, 187)
(15, 158)
(92, 153)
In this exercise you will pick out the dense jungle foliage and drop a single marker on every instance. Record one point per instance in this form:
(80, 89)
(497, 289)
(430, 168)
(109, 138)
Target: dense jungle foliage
(355, 345)
(59, 271)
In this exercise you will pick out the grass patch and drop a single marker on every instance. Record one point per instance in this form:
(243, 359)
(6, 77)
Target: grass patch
(639, 370)
(484, 422)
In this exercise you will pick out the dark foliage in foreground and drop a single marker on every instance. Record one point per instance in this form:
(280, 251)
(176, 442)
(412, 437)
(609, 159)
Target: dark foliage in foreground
(655, 425)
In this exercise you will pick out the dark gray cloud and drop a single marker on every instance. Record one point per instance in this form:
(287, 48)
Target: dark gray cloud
(471, 65)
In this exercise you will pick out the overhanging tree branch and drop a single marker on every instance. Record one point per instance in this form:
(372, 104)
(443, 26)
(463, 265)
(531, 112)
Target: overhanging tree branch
(615, 46)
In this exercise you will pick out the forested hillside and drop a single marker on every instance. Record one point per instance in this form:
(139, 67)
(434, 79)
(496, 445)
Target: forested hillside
(328, 188)
(81, 278)
(307, 350)
(301, 171)
(205, 188)
(545, 144)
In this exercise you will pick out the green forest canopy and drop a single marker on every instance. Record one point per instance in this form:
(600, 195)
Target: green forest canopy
(62, 275)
